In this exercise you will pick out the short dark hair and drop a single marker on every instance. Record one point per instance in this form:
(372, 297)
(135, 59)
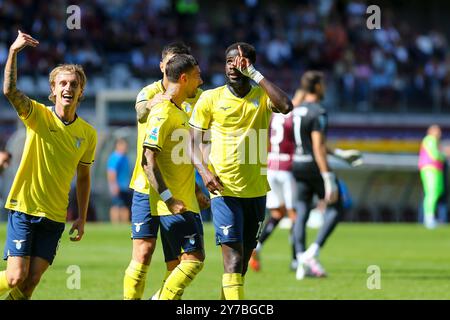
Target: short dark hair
(179, 64)
(310, 80)
(175, 48)
(247, 50)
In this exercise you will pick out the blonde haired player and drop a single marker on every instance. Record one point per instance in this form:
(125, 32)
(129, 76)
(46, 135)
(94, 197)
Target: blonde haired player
(58, 144)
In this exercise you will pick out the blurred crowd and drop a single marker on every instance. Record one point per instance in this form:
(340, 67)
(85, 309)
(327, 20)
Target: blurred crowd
(119, 44)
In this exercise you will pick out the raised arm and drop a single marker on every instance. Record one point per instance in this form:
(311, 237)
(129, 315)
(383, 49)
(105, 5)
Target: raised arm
(20, 101)
(280, 100)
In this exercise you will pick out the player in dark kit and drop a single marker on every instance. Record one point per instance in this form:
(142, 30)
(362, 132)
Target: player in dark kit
(282, 196)
(313, 174)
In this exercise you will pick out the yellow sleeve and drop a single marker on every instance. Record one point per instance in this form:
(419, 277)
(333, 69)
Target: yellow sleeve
(36, 115)
(89, 155)
(201, 116)
(147, 93)
(158, 129)
(142, 95)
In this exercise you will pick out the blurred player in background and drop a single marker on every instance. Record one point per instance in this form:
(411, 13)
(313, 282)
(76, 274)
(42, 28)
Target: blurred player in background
(144, 226)
(118, 174)
(283, 189)
(173, 192)
(5, 159)
(313, 173)
(431, 166)
(231, 113)
(58, 145)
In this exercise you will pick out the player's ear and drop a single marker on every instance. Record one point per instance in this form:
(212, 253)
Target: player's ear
(183, 78)
(161, 66)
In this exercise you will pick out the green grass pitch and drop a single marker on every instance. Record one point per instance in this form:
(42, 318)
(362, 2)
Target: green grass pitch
(414, 264)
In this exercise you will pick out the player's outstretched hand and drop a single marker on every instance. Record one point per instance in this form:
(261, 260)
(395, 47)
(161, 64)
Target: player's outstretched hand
(79, 226)
(203, 200)
(22, 41)
(352, 157)
(176, 206)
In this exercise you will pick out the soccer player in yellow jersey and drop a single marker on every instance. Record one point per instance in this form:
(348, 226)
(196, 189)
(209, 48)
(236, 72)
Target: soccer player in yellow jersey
(144, 226)
(171, 175)
(58, 144)
(236, 174)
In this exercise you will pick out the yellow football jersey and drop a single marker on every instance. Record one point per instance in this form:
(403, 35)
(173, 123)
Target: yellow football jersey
(139, 180)
(52, 152)
(168, 132)
(239, 138)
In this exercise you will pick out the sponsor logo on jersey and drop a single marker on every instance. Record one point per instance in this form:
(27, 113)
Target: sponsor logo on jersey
(154, 134)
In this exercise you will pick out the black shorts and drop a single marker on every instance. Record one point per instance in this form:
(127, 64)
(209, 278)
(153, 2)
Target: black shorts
(309, 181)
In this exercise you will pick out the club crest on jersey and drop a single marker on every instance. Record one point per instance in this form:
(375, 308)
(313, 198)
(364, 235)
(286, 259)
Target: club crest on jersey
(18, 243)
(138, 226)
(191, 238)
(225, 229)
(256, 103)
(78, 142)
(187, 107)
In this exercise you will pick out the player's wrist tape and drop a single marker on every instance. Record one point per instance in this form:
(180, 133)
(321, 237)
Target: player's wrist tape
(329, 180)
(253, 74)
(165, 195)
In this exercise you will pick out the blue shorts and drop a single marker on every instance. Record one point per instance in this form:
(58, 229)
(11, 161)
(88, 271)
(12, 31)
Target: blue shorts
(143, 224)
(123, 199)
(238, 219)
(181, 233)
(30, 236)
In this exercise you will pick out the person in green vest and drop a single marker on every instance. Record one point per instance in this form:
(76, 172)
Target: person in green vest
(431, 166)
